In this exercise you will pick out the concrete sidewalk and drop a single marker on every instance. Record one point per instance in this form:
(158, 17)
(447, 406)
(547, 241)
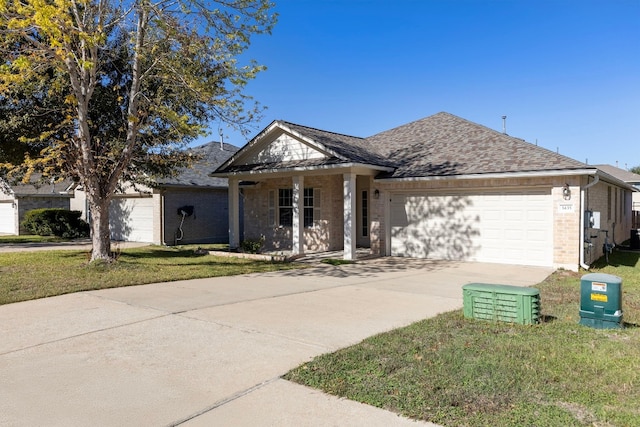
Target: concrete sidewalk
(211, 352)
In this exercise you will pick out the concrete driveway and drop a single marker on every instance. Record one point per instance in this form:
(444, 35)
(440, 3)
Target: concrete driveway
(210, 352)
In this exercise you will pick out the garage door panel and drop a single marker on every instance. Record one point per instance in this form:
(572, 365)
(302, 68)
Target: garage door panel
(7, 218)
(512, 215)
(439, 228)
(131, 219)
(491, 227)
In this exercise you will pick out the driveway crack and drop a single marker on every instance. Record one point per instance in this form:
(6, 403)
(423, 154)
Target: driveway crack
(222, 402)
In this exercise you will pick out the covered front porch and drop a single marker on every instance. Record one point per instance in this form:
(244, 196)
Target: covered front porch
(305, 211)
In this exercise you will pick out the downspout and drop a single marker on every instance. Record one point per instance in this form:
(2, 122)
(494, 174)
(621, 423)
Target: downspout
(582, 209)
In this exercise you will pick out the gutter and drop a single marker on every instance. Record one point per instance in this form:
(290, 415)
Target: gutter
(496, 175)
(318, 168)
(582, 209)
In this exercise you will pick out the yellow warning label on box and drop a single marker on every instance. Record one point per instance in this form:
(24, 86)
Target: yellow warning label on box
(599, 297)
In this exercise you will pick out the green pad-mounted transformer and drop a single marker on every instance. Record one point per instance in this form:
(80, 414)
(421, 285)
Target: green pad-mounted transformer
(504, 303)
(601, 301)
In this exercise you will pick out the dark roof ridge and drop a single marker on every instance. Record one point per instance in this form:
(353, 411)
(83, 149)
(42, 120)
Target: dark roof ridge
(317, 129)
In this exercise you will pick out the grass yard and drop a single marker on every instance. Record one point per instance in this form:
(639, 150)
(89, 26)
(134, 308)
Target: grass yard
(459, 372)
(29, 239)
(30, 275)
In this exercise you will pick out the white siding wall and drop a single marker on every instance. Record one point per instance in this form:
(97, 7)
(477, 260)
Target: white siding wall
(283, 148)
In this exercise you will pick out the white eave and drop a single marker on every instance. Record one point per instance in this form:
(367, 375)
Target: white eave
(305, 170)
(505, 175)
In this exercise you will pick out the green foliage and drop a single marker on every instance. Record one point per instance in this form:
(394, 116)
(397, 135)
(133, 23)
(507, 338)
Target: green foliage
(252, 246)
(56, 222)
(129, 83)
(635, 169)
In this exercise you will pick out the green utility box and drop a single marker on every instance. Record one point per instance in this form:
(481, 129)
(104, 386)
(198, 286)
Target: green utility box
(601, 301)
(504, 303)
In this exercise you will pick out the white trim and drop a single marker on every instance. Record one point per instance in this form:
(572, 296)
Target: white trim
(504, 175)
(349, 212)
(318, 169)
(496, 175)
(297, 226)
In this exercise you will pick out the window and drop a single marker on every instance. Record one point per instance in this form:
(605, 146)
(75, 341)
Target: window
(311, 204)
(365, 214)
(308, 207)
(285, 207)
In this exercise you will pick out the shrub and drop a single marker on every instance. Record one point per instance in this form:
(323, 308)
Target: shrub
(252, 246)
(56, 222)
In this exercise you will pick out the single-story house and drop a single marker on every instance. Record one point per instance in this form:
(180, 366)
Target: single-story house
(441, 188)
(17, 199)
(190, 208)
(631, 179)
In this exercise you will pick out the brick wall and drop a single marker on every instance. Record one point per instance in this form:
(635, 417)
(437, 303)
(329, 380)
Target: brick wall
(327, 231)
(613, 204)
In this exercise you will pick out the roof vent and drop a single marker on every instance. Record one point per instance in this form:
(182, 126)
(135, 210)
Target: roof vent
(504, 124)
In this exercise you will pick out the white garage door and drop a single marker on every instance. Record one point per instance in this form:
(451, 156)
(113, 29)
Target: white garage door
(7, 218)
(502, 227)
(131, 219)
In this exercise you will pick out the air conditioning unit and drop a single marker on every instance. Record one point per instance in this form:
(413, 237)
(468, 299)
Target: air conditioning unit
(504, 303)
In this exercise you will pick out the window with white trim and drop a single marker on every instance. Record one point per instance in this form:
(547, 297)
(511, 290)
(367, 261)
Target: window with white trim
(365, 213)
(285, 207)
(283, 210)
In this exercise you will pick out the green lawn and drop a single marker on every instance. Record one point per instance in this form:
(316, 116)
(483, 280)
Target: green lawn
(29, 239)
(459, 372)
(29, 275)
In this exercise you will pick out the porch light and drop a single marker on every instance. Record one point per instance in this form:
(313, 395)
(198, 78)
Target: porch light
(566, 192)
(376, 194)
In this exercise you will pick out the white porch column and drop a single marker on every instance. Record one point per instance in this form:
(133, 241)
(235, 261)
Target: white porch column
(297, 229)
(234, 213)
(349, 196)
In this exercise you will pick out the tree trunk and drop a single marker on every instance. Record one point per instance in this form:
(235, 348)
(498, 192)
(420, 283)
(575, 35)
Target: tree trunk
(100, 233)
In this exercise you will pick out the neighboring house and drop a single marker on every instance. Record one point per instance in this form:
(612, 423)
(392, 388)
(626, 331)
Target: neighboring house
(16, 200)
(154, 215)
(631, 179)
(440, 188)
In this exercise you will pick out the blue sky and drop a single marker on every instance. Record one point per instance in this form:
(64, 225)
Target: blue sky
(565, 73)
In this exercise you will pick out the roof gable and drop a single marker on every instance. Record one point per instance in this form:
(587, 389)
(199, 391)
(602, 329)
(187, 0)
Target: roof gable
(447, 145)
(285, 145)
(283, 148)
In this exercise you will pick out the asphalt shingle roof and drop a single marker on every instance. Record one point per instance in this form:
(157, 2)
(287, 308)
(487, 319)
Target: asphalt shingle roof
(447, 145)
(37, 187)
(440, 145)
(350, 148)
(621, 174)
(198, 174)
